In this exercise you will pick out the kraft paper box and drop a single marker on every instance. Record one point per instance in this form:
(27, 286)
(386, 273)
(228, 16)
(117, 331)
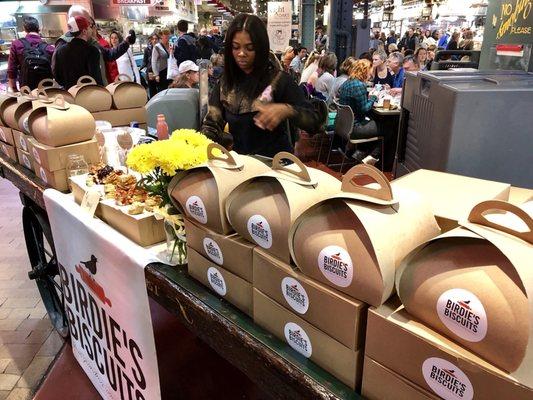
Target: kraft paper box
(232, 252)
(91, 96)
(422, 356)
(263, 209)
(51, 88)
(54, 158)
(9, 151)
(127, 94)
(452, 196)
(202, 192)
(21, 140)
(56, 179)
(6, 135)
(227, 285)
(122, 117)
(57, 123)
(25, 159)
(333, 313)
(355, 240)
(14, 109)
(380, 383)
(474, 284)
(340, 361)
(6, 99)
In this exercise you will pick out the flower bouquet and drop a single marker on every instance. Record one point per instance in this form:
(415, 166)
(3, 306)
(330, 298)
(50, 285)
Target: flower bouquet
(158, 162)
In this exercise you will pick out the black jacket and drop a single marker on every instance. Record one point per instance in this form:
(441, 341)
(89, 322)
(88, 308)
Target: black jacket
(74, 60)
(186, 49)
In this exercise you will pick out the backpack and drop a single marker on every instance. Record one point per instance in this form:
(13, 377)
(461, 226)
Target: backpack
(36, 64)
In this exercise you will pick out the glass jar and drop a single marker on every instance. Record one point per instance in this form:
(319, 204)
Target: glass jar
(76, 165)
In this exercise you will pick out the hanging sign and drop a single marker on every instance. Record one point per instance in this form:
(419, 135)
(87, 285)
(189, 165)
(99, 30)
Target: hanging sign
(279, 24)
(132, 2)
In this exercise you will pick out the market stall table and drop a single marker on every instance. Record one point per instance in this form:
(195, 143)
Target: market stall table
(268, 362)
(388, 123)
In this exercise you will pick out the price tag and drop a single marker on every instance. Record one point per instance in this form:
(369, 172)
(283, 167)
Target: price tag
(90, 202)
(125, 140)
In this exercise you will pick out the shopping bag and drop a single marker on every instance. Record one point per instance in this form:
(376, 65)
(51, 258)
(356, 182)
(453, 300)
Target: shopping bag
(172, 71)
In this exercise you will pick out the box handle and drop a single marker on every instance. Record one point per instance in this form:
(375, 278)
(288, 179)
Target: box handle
(119, 79)
(228, 156)
(477, 216)
(86, 80)
(47, 83)
(303, 173)
(384, 192)
(25, 91)
(43, 96)
(59, 100)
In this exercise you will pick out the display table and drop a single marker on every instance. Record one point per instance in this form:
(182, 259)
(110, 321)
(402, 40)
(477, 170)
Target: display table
(388, 122)
(267, 361)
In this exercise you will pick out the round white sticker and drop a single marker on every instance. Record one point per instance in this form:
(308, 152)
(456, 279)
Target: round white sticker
(196, 209)
(26, 161)
(463, 314)
(259, 230)
(446, 380)
(295, 295)
(336, 265)
(36, 155)
(216, 280)
(43, 175)
(22, 142)
(298, 339)
(26, 125)
(212, 249)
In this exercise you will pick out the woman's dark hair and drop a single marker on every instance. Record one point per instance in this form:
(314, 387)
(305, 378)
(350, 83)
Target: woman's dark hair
(258, 33)
(120, 39)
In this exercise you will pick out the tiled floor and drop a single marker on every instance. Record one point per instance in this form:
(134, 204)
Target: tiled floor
(27, 343)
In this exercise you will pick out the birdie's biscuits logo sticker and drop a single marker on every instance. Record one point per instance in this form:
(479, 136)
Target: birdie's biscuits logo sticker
(446, 380)
(298, 339)
(91, 283)
(196, 209)
(216, 280)
(259, 230)
(336, 265)
(295, 295)
(463, 314)
(212, 249)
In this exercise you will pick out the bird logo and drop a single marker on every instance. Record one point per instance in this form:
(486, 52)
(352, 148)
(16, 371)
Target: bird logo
(91, 264)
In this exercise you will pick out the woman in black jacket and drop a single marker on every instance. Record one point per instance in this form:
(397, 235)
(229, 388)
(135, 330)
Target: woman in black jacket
(254, 97)
(147, 63)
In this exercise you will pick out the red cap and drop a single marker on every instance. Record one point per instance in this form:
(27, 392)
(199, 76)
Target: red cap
(78, 24)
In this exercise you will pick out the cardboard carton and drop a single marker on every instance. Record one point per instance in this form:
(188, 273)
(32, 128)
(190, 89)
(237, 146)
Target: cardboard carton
(122, 117)
(54, 158)
(231, 252)
(519, 196)
(202, 192)
(58, 123)
(263, 209)
(6, 135)
(422, 356)
(127, 94)
(475, 285)
(50, 88)
(17, 111)
(333, 313)
(55, 179)
(6, 99)
(25, 159)
(227, 285)
(89, 95)
(354, 241)
(9, 151)
(451, 196)
(380, 383)
(340, 361)
(21, 140)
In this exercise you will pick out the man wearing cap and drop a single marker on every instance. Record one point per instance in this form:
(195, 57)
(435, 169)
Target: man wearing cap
(77, 58)
(106, 54)
(188, 77)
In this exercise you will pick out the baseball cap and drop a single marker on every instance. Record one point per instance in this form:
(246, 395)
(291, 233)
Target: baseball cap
(186, 66)
(78, 24)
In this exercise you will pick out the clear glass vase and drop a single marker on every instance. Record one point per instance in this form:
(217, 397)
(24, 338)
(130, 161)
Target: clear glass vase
(176, 244)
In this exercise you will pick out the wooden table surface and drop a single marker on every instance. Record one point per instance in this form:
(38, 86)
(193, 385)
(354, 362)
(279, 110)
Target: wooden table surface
(267, 361)
(382, 111)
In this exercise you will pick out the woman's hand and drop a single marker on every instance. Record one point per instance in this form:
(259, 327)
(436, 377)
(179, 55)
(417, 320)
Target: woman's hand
(271, 115)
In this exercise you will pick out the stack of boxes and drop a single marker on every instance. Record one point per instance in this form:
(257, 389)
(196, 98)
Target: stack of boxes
(14, 141)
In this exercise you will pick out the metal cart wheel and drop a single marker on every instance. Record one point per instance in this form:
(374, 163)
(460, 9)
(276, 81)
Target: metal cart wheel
(44, 266)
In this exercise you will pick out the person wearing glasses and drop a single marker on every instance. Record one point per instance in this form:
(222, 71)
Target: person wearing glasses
(255, 97)
(105, 53)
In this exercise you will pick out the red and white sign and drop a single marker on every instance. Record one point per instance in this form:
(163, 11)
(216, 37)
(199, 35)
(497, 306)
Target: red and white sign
(106, 302)
(132, 2)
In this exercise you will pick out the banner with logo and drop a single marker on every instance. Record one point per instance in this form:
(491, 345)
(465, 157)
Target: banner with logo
(106, 302)
(279, 24)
